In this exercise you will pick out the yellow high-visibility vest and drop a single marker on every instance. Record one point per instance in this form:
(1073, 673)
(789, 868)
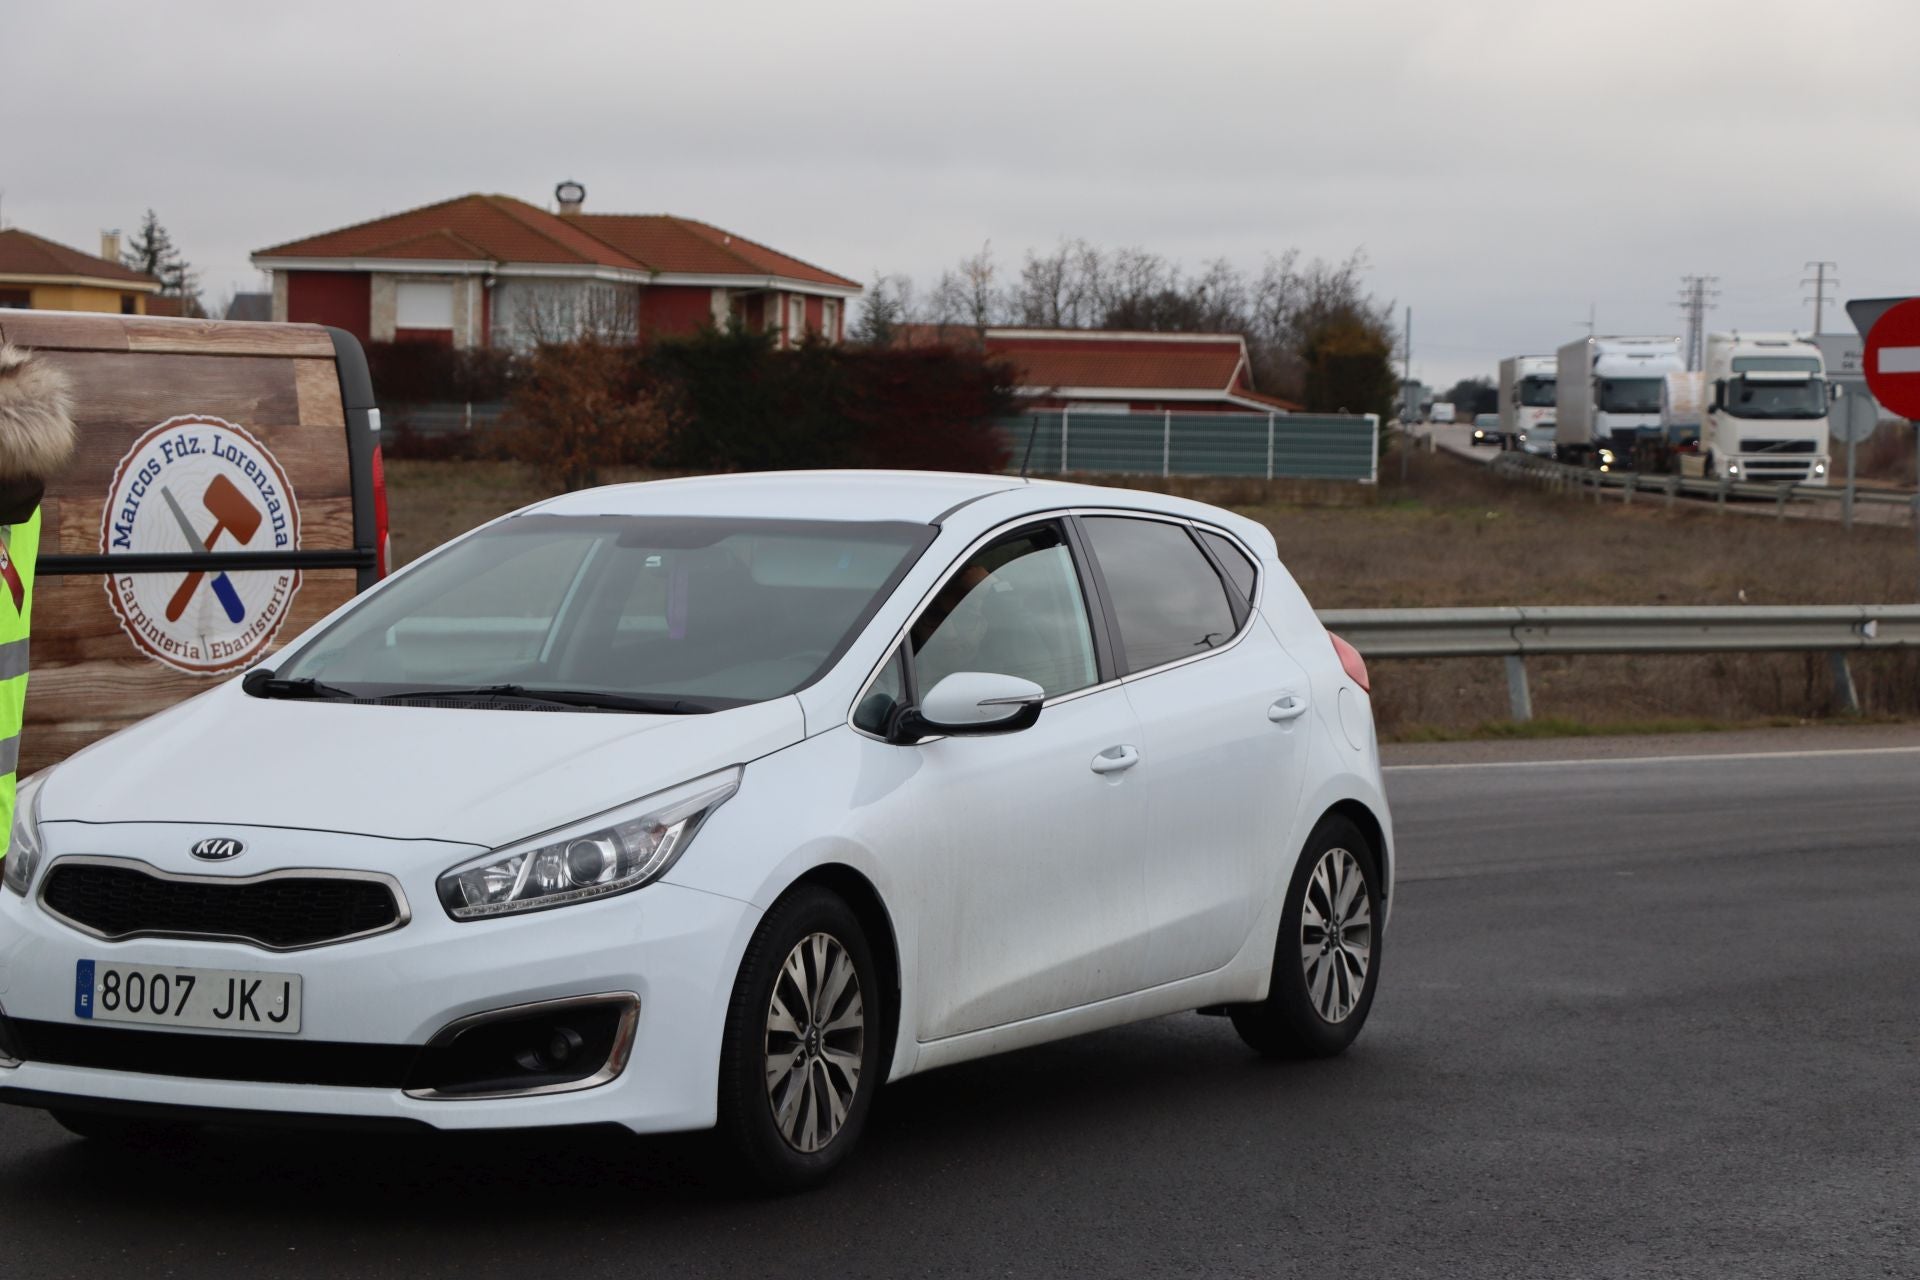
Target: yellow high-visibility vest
(22, 547)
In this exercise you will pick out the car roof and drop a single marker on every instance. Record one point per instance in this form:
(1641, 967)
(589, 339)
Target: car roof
(918, 496)
(922, 497)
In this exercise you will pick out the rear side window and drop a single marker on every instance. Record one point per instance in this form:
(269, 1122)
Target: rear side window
(1166, 598)
(1239, 569)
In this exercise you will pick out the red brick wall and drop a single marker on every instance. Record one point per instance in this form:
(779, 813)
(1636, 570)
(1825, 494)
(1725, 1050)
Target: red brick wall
(339, 298)
(670, 311)
(816, 317)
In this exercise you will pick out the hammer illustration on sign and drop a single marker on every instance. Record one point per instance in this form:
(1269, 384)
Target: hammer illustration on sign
(233, 514)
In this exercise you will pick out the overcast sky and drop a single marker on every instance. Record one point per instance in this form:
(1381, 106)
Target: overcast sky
(1504, 164)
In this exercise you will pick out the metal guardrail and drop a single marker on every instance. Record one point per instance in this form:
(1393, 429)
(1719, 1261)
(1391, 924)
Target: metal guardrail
(1514, 632)
(1516, 465)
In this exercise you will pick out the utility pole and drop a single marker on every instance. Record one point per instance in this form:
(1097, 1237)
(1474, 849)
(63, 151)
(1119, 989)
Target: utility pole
(1820, 280)
(1406, 391)
(1696, 299)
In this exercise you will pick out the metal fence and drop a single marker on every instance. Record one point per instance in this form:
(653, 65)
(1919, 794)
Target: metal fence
(442, 418)
(1526, 466)
(1514, 632)
(1268, 445)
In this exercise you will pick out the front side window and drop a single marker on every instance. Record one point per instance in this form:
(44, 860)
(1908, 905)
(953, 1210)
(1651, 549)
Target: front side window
(1166, 598)
(711, 612)
(1015, 608)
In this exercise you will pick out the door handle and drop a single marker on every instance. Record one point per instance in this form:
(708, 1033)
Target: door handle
(1114, 759)
(1288, 707)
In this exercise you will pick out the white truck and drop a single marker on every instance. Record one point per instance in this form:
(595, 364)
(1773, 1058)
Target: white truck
(1441, 412)
(1527, 403)
(1766, 414)
(1607, 398)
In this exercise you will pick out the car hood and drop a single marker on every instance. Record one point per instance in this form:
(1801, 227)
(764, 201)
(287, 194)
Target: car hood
(484, 777)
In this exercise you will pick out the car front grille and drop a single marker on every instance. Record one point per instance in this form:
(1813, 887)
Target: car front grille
(282, 911)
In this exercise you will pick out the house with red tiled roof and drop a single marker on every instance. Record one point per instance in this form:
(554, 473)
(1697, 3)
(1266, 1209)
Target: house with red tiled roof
(1116, 371)
(41, 275)
(491, 270)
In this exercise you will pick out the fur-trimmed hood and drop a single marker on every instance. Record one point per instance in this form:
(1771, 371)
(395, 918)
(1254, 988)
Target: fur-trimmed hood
(36, 416)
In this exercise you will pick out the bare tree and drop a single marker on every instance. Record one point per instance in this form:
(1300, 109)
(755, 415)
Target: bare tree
(967, 294)
(1055, 289)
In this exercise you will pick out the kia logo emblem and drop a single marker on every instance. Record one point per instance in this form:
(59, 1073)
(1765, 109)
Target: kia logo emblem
(218, 849)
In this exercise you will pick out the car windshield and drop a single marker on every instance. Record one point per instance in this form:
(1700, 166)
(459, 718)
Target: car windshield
(1630, 395)
(1751, 398)
(1536, 393)
(698, 614)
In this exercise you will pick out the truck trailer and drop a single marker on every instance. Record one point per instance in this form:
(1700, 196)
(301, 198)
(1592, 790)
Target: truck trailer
(1766, 413)
(1607, 398)
(1527, 403)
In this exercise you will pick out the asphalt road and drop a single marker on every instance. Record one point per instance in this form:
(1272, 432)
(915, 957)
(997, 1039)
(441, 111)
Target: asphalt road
(1640, 1017)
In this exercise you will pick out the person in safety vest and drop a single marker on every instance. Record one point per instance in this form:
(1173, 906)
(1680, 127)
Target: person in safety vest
(36, 439)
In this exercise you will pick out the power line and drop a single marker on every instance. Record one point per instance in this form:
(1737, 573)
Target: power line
(1820, 280)
(1698, 295)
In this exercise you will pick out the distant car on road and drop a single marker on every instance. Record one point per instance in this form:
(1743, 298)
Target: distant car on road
(713, 802)
(1486, 429)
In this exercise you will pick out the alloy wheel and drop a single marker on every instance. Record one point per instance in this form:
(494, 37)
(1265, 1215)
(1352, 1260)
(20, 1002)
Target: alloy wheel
(816, 1041)
(1336, 935)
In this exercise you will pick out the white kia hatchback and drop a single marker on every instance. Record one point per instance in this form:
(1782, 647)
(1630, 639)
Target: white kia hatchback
(713, 802)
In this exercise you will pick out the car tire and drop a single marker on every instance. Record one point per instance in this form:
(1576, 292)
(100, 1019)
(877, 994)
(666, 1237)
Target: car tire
(790, 1131)
(1323, 978)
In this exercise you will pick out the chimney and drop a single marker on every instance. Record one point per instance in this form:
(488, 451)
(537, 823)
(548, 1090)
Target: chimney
(570, 195)
(110, 245)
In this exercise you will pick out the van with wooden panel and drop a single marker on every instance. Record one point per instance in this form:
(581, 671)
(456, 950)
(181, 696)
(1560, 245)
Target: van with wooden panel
(226, 493)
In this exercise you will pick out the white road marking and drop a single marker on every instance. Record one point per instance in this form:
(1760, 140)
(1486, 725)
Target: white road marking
(1699, 759)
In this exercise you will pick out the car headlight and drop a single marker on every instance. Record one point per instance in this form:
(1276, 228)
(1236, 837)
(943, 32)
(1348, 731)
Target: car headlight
(1606, 455)
(1819, 468)
(612, 853)
(23, 849)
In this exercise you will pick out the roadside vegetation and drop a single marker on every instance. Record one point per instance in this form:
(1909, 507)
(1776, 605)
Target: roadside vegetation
(1455, 535)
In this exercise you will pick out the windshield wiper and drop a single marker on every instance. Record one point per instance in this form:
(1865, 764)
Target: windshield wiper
(262, 683)
(591, 698)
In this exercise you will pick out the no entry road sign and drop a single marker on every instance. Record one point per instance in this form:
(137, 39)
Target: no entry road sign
(1892, 359)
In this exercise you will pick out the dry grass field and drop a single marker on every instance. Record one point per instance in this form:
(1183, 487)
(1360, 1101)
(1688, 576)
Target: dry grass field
(1454, 535)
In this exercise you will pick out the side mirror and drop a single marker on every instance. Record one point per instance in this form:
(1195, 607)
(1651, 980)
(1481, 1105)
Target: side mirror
(971, 703)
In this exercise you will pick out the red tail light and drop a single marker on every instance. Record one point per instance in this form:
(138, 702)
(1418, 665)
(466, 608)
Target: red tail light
(382, 543)
(1350, 659)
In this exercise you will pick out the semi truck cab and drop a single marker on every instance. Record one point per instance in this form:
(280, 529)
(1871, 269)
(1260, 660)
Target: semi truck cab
(1767, 405)
(1527, 402)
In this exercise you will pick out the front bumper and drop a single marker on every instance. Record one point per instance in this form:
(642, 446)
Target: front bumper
(675, 949)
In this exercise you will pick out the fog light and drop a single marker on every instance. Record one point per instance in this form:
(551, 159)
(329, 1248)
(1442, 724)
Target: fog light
(1819, 468)
(550, 1047)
